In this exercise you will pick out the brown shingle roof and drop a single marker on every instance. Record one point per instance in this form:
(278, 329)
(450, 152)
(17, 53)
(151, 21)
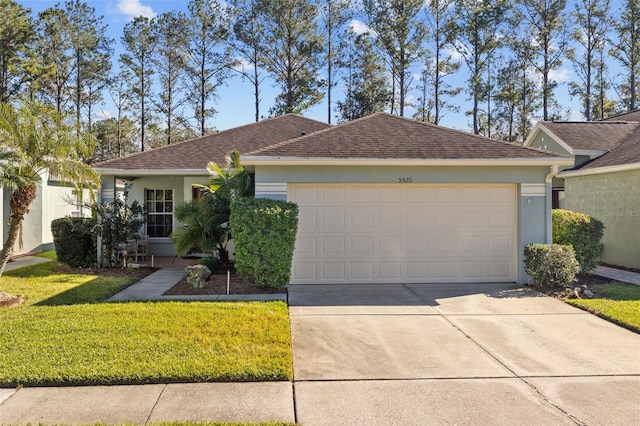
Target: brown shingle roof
(626, 116)
(196, 153)
(591, 135)
(627, 152)
(386, 136)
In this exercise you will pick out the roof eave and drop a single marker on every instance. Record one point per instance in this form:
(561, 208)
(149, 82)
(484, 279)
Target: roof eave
(151, 172)
(308, 161)
(599, 170)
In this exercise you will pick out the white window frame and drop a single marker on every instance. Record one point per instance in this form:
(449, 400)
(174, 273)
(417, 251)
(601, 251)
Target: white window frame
(153, 210)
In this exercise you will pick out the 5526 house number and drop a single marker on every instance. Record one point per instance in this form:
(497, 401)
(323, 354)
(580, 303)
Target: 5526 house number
(405, 179)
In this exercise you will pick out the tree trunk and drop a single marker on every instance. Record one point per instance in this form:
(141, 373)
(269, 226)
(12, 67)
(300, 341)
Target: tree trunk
(21, 199)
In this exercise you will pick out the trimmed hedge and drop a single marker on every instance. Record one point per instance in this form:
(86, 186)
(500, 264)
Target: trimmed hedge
(551, 264)
(264, 234)
(582, 232)
(74, 241)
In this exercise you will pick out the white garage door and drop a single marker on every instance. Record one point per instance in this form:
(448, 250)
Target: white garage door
(404, 233)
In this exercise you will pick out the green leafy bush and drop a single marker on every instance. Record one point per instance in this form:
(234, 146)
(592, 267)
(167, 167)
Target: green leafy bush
(74, 240)
(211, 262)
(551, 264)
(264, 233)
(582, 232)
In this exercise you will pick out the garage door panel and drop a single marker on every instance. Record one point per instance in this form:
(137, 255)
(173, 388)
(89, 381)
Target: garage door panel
(390, 271)
(499, 195)
(500, 270)
(332, 195)
(404, 233)
(390, 244)
(362, 218)
(389, 194)
(305, 271)
(333, 219)
(333, 245)
(472, 269)
(444, 219)
(500, 244)
(362, 271)
(362, 244)
(362, 195)
(470, 195)
(306, 244)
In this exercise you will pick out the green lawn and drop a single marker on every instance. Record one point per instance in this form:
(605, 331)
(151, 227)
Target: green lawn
(64, 334)
(620, 303)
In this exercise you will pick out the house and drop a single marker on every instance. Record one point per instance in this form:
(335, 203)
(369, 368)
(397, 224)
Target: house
(384, 199)
(164, 177)
(604, 179)
(54, 200)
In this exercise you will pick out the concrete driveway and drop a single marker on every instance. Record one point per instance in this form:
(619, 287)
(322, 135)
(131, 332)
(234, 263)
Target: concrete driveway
(457, 354)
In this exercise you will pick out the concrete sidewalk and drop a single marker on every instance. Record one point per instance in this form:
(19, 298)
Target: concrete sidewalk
(152, 287)
(82, 405)
(618, 275)
(21, 262)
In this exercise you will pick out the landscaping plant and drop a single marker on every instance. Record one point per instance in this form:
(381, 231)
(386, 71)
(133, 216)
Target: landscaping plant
(118, 222)
(74, 240)
(582, 232)
(34, 142)
(551, 264)
(205, 222)
(264, 233)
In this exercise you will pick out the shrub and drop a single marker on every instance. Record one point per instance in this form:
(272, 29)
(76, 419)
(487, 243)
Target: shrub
(74, 241)
(119, 222)
(264, 232)
(211, 262)
(551, 264)
(582, 232)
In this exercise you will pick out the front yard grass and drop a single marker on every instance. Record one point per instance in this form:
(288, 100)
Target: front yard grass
(65, 334)
(620, 303)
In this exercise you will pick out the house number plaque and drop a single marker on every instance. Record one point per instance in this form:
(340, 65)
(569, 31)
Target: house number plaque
(405, 179)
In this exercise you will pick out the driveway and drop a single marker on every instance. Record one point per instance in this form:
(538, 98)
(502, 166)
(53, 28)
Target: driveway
(457, 354)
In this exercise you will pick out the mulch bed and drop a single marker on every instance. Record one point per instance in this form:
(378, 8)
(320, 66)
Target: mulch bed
(585, 281)
(217, 284)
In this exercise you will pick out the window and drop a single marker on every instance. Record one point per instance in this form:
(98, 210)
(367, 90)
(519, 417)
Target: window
(160, 212)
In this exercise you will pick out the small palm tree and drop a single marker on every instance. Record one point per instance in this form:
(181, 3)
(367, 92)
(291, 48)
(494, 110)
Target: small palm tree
(34, 141)
(206, 221)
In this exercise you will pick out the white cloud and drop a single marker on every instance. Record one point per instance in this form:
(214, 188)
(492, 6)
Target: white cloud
(561, 75)
(103, 114)
(133, 9)
(242, 65)
(454, 54)
(359, 27)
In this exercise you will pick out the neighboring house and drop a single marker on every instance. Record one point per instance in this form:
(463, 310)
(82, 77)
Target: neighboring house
(604, 181)
(164, 177)
(53, 201)
(384, 199)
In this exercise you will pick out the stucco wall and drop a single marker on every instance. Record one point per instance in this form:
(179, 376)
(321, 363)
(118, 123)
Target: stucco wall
(614, 198)
(52, 202)
(533, 211)
(544, 141)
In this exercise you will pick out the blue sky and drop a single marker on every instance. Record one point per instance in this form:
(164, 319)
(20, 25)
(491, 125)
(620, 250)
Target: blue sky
(235, 101)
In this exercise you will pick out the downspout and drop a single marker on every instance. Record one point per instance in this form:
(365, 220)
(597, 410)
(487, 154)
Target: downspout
(549, 201)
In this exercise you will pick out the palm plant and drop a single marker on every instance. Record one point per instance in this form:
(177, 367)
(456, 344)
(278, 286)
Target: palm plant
(205, 222)
(35, 141)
